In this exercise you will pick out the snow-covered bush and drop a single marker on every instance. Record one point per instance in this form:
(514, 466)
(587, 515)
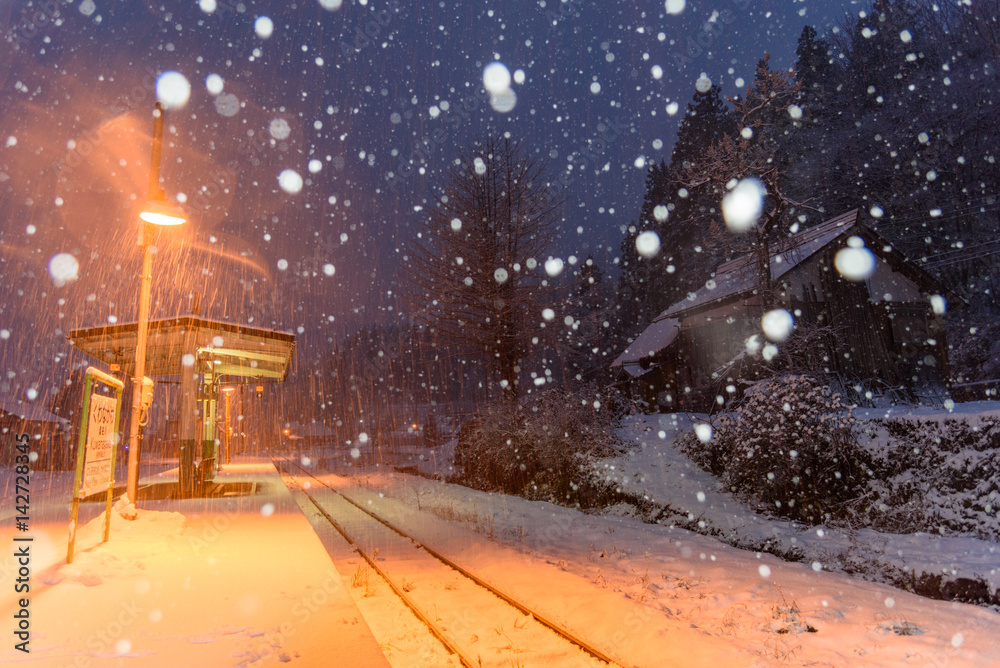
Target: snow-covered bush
(937, 476)
(790, 444)
(540, 448)
(974, 342)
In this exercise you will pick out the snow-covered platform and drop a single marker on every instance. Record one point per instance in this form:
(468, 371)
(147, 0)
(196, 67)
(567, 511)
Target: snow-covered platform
(225, 581)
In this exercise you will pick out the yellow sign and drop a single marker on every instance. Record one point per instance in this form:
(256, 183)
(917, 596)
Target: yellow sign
(97, 474)
(96, 449)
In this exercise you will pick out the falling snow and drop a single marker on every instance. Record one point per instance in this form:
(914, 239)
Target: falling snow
(508, 273)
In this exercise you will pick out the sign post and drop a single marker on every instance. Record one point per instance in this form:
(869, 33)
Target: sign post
(95, 455)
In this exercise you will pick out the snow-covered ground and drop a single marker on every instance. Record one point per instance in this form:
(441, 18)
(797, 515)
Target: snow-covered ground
(655, 588)
(648, 593)
(656, 471)
(232, 581)
(671, 487)
(965, 410)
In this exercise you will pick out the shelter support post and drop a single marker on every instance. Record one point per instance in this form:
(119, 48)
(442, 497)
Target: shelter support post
(188, 422)
(209, 421)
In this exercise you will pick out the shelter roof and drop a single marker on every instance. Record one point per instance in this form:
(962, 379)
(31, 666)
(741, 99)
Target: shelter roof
(239, 352)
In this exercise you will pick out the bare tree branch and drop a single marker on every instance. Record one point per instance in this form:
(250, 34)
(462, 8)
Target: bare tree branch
(475, 273)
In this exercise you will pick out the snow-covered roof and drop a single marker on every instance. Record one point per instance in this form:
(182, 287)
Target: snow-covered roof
(740, 275)
(731, 278)
(29, 412)
(660, 334)
(247, 354)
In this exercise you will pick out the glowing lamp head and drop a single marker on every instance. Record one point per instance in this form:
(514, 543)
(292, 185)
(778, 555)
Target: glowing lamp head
(162, 213)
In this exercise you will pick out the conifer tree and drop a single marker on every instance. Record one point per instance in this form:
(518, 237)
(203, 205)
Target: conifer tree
(757, 153)
(588, 345)
(649, 285)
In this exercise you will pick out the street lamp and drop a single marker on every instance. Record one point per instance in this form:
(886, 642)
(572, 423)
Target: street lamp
(156, 212)
(162, 213)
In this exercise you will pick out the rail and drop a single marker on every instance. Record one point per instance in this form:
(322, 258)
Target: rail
(540, 617)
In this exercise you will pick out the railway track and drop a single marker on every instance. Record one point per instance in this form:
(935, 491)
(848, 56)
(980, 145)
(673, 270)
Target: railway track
(477, 622)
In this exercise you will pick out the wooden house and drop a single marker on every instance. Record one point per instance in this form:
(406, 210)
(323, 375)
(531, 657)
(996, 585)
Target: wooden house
(882, 331)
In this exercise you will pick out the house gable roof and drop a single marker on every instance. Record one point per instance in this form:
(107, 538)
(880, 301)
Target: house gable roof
(737, 278)
(660, 334)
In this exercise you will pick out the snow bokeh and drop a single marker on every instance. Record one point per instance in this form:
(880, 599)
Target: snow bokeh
(674, 6)
(63, 268)
(264, 27)
(777, 324)
(742, 206)
(648, 244)
(214, 83)
(855, 263)
(290, 181)
(173, 89)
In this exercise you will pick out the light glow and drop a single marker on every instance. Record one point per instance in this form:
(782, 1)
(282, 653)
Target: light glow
(162, 213)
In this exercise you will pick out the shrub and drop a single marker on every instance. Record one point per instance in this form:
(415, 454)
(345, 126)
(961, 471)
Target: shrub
(540, 448)
(792, 445)
(938, 475)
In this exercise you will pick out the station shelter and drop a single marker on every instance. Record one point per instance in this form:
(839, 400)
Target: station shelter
(204, 356)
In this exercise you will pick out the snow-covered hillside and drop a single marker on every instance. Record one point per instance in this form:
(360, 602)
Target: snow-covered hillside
(668, 487)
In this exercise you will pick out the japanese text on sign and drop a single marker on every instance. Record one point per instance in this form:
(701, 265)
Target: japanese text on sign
(100, 441)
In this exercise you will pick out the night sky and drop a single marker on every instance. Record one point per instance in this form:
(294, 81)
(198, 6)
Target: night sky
(380, 93)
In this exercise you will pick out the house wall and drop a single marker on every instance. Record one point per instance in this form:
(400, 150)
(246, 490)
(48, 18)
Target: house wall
(717, 335)
(892, 335)
(803, 282)
(708, 341)
(883, 285)
(888, 285)
(884, 328)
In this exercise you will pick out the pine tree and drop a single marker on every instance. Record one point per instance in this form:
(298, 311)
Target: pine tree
(815, 69)
(812, 140)
(588, 346)
(649, 285)
(915, 135)
(759, 153)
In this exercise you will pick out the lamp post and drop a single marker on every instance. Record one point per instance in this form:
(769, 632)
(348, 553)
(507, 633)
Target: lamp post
(156, 212)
